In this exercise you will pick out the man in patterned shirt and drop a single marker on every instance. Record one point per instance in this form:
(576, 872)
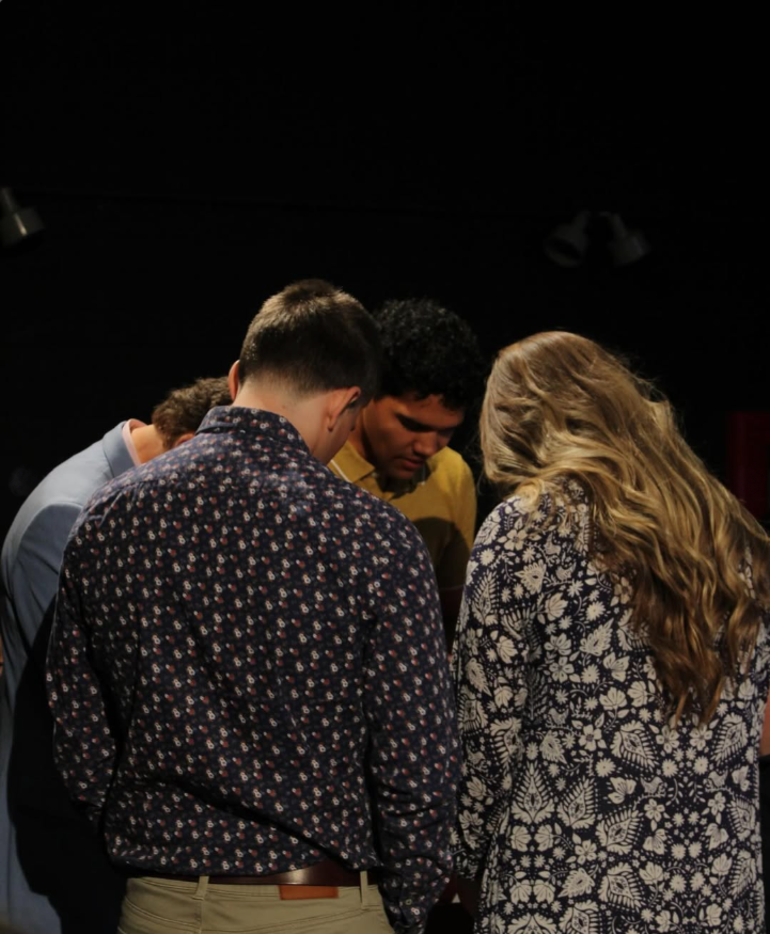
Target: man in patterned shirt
(247, 669)
(55, 876)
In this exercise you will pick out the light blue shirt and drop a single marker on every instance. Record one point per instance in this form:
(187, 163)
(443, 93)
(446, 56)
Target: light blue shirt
(29, 574)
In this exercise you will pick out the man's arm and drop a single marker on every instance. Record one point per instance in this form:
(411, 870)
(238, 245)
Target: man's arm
(454, 559)
(84, 748)
(489, 664)
(33, 572)
(413, 755)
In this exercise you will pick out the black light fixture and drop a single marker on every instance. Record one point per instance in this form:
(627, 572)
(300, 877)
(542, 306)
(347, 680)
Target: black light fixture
(567, 244)
(17, 224)
(625, 246)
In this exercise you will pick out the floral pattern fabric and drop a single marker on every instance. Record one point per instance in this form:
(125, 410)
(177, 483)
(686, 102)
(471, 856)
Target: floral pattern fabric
(248, 671)
(581, 807)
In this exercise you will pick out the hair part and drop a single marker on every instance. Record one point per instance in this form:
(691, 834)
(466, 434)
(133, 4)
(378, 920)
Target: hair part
(313, 338)
(429, 350)
(560, 406)
(182, 411)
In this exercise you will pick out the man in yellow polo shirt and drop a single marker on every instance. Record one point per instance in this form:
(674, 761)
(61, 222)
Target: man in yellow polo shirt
(433, 372)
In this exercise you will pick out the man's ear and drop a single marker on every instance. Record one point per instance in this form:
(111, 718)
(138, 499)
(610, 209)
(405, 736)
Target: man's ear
(182, 438)
(340, 400)
(233, 380)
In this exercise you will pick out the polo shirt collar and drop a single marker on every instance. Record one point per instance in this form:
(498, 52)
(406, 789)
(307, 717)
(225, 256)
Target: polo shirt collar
(355, 468)
(351, 465)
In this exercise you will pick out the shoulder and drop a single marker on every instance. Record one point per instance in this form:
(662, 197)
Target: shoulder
(449, 464)
(74, 480)
(50, 511)
(365, 506)
(378, 524)
(450, 474)
(562, 511)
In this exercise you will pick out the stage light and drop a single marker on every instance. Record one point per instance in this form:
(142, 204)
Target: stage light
(568, 244)
(625, 246)
(17, 224)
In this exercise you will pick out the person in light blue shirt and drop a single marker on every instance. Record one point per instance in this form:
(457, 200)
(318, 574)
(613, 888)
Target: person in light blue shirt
(54, 876)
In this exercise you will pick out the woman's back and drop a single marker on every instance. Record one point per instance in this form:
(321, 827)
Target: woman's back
(588, 810)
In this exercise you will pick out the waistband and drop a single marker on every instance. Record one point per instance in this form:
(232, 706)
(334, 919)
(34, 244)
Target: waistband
(326, 873)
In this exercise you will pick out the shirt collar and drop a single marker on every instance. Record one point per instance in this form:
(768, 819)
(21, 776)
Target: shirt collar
(128, 427)
(351, 465)
(354, 468)
(229, 418)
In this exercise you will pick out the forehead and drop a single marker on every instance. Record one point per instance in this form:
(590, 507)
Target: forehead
(429, 412)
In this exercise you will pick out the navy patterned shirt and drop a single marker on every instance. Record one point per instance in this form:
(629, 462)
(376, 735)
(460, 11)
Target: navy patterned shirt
(248, 671)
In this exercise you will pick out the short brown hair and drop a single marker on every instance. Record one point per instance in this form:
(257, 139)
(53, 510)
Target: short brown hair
(316, 337)
(183, 409)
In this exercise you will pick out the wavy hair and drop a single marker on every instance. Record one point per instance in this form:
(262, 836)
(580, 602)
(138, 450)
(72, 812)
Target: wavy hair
(559, 406)
(184, 409)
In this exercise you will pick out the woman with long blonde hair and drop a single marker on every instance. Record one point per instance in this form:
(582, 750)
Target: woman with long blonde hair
(612, 662)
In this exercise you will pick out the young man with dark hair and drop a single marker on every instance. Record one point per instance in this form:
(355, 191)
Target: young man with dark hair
(56, 876)
(433, 373)
(247, 668)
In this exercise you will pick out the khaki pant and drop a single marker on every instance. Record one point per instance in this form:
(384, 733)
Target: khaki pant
(166, 906)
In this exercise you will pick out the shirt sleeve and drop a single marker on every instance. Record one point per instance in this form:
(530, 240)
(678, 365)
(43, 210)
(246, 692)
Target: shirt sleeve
(34, 576)
(454, 559)
(491, 657)
(84, 748)
(413, 759)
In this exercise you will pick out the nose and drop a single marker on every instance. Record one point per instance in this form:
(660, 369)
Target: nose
(427, 444)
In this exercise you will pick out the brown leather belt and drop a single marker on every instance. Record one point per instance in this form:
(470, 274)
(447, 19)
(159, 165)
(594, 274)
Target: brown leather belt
(328, 872)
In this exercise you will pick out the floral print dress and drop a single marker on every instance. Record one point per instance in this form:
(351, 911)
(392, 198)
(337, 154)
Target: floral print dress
(581, 808)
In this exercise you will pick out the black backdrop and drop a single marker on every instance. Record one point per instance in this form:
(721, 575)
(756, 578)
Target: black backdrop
(190, 161)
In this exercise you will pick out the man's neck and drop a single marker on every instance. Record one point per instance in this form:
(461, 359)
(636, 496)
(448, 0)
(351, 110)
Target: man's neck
(148, 442)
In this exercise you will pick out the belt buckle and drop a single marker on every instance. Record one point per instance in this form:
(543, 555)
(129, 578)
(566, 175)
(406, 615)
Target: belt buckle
(297, 892)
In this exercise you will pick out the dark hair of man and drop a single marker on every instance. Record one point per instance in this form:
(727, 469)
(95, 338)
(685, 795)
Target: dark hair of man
(315, 337)
(429, 350)
(183, 409)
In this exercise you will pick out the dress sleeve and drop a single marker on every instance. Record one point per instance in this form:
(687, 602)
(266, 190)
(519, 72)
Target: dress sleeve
(84, 747)
(413, 757)
(491, 660)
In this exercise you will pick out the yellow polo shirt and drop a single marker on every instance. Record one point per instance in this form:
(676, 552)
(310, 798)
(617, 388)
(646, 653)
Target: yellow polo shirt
(440, 499)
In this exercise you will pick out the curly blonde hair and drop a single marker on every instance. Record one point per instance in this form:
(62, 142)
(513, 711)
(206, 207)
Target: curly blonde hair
(560, 406)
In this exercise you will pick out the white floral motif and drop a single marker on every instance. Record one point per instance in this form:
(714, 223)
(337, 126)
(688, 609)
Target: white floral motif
(613, 819)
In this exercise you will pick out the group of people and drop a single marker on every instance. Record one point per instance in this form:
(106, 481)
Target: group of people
(227, 703)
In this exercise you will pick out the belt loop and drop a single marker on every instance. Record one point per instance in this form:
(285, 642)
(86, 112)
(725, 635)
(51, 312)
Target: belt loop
(363, 881)
(203, 884)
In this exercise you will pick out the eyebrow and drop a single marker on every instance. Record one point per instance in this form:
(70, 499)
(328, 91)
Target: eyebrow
(413, 425)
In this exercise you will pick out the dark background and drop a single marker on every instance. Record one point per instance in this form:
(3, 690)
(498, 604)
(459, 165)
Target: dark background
(190, 160)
